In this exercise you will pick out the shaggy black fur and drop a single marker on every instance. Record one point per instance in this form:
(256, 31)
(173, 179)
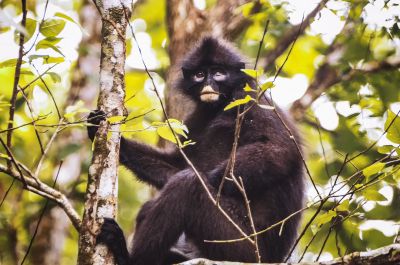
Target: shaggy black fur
(266, 159)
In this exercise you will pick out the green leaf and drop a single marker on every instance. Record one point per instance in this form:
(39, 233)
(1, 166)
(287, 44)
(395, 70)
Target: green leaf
(54, 60)
(164, 131)
(37, 56)
(64, 16)
(48, 46)
(4, 29)
(248, 88)
(4, 156)
(50, 40)
(116, 119)
(393, 132)
(252, 73)
(30, 30)
(267, 85)
(373, 195)
(52, 27)
(344, 206)
(325, 218)
(245, 9)
(385, 149)
(373, 169)
(10, 63)
(54, 76)
(238, 102)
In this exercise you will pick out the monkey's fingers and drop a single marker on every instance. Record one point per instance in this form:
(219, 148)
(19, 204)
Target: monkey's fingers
(95, 117)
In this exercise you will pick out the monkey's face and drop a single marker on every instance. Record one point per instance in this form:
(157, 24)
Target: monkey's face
(211, 85)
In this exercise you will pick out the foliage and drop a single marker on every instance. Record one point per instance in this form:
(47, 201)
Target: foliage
(354, 164)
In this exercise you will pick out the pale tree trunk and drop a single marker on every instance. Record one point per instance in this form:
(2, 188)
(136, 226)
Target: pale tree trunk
(101, 194)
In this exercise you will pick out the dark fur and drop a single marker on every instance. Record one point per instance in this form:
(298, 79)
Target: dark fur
(266, 159)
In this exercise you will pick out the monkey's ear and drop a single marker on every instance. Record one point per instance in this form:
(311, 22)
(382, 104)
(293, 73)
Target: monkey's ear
(187, 73)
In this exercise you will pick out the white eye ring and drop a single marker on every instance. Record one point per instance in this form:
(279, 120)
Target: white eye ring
(219, 76)
(199, 76)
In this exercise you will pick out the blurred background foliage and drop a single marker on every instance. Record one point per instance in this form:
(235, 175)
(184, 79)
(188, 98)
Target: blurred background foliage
(345, 121)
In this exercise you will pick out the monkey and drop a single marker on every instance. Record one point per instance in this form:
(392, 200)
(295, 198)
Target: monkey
(267, 161)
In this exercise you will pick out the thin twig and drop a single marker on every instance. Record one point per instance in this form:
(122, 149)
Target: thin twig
(50, 93)
(16, 78)
(33, 120)
(40, 217)
(53, 137)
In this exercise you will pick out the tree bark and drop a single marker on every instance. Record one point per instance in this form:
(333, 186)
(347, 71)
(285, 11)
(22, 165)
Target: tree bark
(101, 194)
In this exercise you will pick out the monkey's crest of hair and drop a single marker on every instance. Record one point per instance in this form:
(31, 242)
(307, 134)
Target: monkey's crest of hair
(212, 51)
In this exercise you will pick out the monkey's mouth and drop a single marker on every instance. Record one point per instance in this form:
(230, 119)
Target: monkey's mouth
(208, 94)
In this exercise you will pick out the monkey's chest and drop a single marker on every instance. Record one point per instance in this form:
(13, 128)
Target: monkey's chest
(213, 145)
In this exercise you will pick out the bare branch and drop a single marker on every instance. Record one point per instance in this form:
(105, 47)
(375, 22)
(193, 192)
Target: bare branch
(42, 189)
(16, 77)
(291, 35)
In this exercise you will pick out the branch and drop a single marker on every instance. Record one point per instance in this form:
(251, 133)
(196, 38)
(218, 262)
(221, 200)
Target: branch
(16, 77)
(291, 35)
(36, 186)
(388, 255)
(230, 28)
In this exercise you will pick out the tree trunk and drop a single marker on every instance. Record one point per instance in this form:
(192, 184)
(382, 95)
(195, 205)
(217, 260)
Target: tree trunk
(101, 194)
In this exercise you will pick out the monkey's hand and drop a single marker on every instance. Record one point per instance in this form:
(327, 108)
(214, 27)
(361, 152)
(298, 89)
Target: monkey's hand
(95, 117)
(113, 237)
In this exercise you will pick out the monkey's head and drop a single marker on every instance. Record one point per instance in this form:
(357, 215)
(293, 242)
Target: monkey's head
(211, 72)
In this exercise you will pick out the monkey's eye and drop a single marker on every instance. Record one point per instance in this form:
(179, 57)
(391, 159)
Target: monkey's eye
(199, 76)
(220, 75)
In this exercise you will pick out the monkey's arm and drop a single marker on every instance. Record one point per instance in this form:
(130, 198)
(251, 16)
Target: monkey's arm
(151, 165)
(259, 165)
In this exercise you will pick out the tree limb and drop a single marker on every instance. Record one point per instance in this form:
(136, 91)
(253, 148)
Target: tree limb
(388, 255)
(285, 41)
(36, 186)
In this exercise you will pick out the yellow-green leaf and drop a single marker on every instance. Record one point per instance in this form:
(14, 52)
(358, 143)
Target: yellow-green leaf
(115, 119)
(54, 76)
(164, 130)
(10, 63)
(325, 218)
(373, 195)
(250, 72)
(393, 132)
(248, 88)
(54, 60)
(50, 40)
(4, 156)
(52, 27)
(239, 102)
(373, 169)
(344, 206)
(64, 16)
(267, 85)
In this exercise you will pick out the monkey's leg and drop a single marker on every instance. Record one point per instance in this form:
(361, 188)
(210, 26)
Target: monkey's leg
(184, 206)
